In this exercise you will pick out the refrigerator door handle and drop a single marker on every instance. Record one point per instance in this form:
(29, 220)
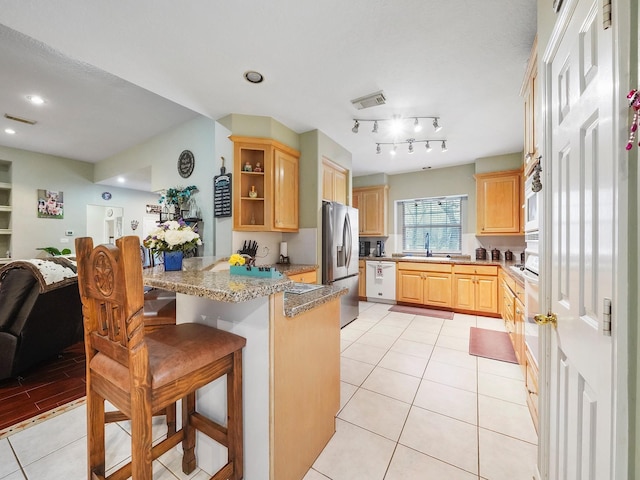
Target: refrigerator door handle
(347, 241)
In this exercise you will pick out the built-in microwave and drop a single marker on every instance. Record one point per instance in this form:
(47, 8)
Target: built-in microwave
(532, 206)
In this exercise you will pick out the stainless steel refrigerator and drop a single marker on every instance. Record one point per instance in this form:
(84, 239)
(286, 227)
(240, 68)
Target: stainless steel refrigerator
(340, 255)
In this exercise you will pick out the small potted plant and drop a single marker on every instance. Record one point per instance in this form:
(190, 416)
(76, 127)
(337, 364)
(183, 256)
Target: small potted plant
(173, 239)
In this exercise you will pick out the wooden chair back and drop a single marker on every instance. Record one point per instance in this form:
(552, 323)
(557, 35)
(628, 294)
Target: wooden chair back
(112, 299)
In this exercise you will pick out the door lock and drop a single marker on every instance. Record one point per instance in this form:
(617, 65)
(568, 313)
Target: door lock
(551, 318)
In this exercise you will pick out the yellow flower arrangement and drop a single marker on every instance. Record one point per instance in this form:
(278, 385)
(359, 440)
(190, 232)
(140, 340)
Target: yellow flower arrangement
(236, 259)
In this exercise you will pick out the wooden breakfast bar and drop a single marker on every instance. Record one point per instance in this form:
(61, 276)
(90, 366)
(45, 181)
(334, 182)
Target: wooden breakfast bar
(291, 363)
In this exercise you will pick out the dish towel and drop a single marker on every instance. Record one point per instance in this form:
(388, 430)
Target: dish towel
(379, 274)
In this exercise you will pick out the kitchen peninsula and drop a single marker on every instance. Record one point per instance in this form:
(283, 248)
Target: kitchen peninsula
(291, 363)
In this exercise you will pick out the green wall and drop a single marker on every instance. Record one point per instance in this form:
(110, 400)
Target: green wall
(435, 183)
(260, 127)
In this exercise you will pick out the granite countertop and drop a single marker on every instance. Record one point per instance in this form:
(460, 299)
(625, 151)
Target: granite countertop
(295, 304)
(202, 278)
(294, 268)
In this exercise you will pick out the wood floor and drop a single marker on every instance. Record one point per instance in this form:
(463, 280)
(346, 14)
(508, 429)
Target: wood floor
(43, 388)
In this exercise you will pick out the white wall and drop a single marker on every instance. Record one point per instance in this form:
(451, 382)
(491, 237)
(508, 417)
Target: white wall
(161, 153)
(33, 171)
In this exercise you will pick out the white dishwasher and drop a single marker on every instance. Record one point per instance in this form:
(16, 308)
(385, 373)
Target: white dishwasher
(381, 281)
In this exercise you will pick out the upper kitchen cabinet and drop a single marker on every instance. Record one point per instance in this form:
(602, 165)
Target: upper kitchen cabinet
(499, 203)
(529, 94)
(371, 203)
(265, 185)
(334, 182)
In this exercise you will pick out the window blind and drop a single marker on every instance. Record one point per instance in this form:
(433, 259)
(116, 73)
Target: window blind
(435, 221)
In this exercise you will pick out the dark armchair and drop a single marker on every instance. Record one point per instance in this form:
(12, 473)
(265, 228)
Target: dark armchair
(38, 317)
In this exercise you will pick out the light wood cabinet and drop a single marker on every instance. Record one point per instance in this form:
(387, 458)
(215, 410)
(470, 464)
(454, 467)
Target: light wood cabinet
(475, 288)
(529, 95)
(425, 284)
(334, 182)
(372, 205)
(362, 280)
(305, 277)
(531, 383)
(304, 379)
(499, 203)
(285, 191)
(274, 207)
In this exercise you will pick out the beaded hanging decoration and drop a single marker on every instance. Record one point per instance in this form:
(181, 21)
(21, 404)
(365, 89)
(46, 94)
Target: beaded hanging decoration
(634, 102)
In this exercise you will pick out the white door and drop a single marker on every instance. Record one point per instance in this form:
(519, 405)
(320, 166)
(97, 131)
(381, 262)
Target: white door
(582, 229)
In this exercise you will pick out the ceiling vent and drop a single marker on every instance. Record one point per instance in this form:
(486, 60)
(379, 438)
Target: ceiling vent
(18, 119)
(371, 100)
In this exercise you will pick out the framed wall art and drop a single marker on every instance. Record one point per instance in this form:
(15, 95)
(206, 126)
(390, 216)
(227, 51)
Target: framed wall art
(50, 204)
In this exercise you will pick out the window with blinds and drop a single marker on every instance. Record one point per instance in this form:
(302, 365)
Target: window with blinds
(433, 223)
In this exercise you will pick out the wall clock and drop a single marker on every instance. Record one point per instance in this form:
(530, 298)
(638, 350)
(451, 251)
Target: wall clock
(186, 162)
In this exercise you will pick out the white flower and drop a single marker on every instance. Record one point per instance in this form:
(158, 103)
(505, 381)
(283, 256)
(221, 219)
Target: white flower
(172, 236)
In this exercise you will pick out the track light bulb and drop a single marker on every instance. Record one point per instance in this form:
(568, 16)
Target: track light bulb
(378, 149)
(416, 126)
(410, 147)
(356, 125)
(436, 127)
(444, 146)
(394, 151)
(375, 127)
(428, 146)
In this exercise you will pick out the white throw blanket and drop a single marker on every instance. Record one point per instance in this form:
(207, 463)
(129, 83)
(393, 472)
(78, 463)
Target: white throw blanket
(51, 273)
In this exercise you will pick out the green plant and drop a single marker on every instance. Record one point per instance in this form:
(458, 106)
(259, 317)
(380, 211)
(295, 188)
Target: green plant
(177, 196)
(54, 251)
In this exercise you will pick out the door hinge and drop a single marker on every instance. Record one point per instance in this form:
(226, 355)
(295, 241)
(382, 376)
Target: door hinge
(606, 14)
(606, 317)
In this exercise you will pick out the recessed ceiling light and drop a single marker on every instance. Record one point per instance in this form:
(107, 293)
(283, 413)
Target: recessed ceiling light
(121, 180)
(9, 131)
(253, 77)
(35, 99)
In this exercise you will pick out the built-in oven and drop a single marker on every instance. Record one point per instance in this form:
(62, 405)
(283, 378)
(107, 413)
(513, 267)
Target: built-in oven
(532, 293)
(531, 206)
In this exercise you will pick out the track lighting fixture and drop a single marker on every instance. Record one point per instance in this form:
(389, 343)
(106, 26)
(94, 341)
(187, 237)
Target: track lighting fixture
(397, 124)
(410, 142)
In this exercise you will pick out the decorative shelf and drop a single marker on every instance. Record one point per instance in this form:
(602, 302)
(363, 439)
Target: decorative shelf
(5, 208)
(5, 231)
(5, 186)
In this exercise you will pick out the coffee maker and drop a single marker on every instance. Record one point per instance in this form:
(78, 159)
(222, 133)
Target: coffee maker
(379, 248)
(365, 248)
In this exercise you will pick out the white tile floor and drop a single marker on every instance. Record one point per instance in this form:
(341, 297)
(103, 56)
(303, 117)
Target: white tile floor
(415, 405)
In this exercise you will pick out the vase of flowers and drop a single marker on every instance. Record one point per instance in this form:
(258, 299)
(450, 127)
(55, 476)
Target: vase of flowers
(173, 239)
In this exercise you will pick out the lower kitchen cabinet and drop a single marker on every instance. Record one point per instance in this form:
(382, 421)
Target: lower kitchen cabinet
(475, 288)
(305, 277)
(424, 284)
(362, 280)
(531, 383)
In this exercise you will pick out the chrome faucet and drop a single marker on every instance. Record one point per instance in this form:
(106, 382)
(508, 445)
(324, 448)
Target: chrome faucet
(426, 245)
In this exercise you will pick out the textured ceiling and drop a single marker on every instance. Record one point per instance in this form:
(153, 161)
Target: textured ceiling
(461, 60)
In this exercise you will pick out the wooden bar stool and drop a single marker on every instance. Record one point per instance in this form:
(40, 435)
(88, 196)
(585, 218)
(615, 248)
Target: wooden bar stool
(142, 373)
